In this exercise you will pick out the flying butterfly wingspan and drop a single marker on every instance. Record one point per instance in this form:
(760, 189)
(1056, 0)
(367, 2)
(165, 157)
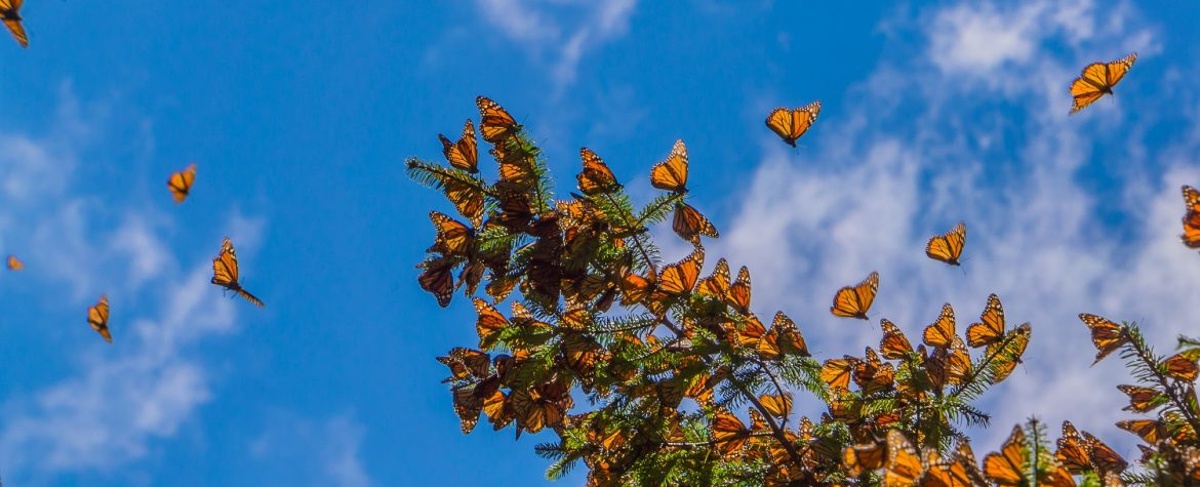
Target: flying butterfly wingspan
(949, 246)
(98, 318)
(690, 224)
(10, 13)
(494, 121)
(1107, 336)
(463, 154)
(595, 177)
(791, 124)
(990, 328)
(672, 173)
(855, 301)
(1191, 220)
(180, 183)
(225, 272)
(1097, 80)
(14, 264)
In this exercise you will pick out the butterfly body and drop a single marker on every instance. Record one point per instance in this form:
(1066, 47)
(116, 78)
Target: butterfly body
(225, 273)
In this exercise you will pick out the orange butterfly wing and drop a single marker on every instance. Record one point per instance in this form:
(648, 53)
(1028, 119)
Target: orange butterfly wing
(14, 264)
(1097, 80)
(948, 247)
(98, 318)
(1107, 336)
(941, 332)
(494, 121)
(681, 277)
(1191, 220)
(225, 272)
(180, 183)
(690, 224)
(854, 302)
(672, 173)
(990, 329)
(10, 13)
(1008, 467)
(894, 345)
(792, 124)
(596, 177)
(463, 154)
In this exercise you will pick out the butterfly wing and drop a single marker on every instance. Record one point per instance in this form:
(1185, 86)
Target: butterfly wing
(990, 328)
(494, 121)
(941, 332)
(1007, 467)
(854, 302)
(98, 318)
(180, 183)
(680, 278)
(14, 25)
(596, 177)
(672, 173)
(1107, 336)
(463, 154)
(948, 247)
(1191, 219)
(14, 264)
(780, 122)
(1098, 79)
(690, 224)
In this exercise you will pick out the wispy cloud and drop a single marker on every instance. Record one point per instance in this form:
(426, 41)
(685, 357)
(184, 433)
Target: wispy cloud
(981, 134)
(118, 399)
(294, 450)
(559, 33)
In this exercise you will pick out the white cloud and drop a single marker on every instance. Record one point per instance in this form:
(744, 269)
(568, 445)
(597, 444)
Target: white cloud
(117, 399)
(921, 148)
(298, 451)
(562, 31)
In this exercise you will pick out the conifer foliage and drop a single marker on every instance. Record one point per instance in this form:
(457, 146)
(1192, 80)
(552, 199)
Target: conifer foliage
(647, 372)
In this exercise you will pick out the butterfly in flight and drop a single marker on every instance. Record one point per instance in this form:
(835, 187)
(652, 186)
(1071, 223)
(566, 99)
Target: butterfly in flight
(98, 318)
(12, 19)
(791, 124)
(854, 301)
(225, 272)
(1097, 80)
(14, 264)
(949, 246)
(180, 183)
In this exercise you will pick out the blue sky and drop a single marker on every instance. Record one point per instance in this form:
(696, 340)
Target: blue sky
(299, 119)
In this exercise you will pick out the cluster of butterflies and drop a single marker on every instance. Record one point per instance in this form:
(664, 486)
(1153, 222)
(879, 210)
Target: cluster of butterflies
(225, 266)
(1017, 460)
(1095, 81)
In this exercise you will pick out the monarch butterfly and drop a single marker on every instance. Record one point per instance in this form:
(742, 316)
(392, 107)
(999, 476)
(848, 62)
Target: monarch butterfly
(958, 470)
(1149, 430)
(1191, 220)
(680, 278)
(596, 177)
(894, 345)
(853, 302)
(941, 332)
(12, 19)
(1104, 458)
(98, 317)
(949, 246)
(463, 154)
(671, 174)
(494, 121)
(489, 324)
(1098, 79)
(689, 224)
(1072, 451)
(836, 372)
(787, 337)
(1141, 399)
(180, 183)
(225, 272)
(465, 192)
(990, 329)
(14, 264)
(1007, 467)
(872, 374)
(1182, 366)
(791, 124)
(1013, 349)
(779, 406)
(860, 459)
(949, 366)
(1106, 335)
(903, 466)
(728, 432)
(453, 237)
(436, 279)
(716, 285)
(465, 364)
(467, 406)
(739, 293)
